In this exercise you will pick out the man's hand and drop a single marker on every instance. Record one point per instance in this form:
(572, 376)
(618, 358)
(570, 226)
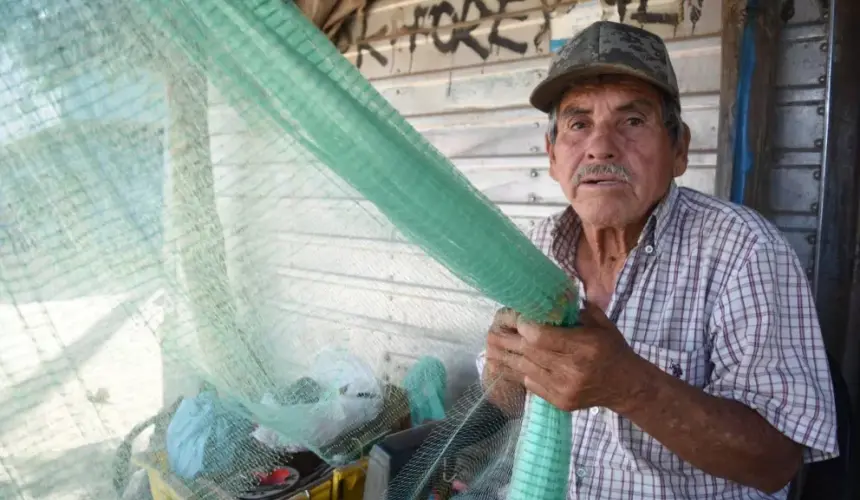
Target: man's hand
(576, 368)
(503, 354)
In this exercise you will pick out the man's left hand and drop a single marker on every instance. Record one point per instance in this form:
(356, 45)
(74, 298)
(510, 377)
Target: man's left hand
(580, 367)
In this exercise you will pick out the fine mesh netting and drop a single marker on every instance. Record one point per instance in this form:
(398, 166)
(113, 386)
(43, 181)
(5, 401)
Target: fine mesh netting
(218, 243)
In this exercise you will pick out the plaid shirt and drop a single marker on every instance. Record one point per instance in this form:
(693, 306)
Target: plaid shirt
(712, 294)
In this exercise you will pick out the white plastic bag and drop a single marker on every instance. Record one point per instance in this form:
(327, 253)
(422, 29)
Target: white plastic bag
(352, 396)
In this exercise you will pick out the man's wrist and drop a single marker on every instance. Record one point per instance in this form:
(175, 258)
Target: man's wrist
(633, 380)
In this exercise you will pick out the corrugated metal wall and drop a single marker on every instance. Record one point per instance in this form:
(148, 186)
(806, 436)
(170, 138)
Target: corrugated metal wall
(461, 72)
(797, 131)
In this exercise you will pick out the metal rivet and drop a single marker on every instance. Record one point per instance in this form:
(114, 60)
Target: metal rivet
(387, 357)
(809, 271)
(534, 149)
(819, 143)
(820, 110)
(814, 207)
(822, 78)
(534, 173)
(537, 125)
(816, 175)
(810, 239)
(823, 47)
(532, 197)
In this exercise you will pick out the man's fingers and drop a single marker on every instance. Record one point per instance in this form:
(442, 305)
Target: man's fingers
(543, 358)
(505, 319)
(545, 337)
(505, 341)
(537, 373)
(507, 373)
(504, 368)
(539, 389)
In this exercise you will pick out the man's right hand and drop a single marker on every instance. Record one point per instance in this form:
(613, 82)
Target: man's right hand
(501, 378)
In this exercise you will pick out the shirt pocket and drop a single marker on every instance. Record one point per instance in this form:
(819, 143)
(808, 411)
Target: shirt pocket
(636, 450)
(692, 367)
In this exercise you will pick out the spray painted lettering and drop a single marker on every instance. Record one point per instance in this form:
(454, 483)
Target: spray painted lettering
(485, 27)
(430, 21)
(642, 15)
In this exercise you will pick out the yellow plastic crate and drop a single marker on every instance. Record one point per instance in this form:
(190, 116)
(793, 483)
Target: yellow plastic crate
(345, 483)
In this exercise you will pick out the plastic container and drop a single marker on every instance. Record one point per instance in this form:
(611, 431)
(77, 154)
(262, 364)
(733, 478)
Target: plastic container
(344, 483)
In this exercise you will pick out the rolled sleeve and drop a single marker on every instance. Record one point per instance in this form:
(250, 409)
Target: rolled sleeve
(480, 361)
(768, 352)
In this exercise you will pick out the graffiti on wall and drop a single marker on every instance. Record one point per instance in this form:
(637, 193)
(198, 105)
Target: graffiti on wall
(450, 26)
(425, 20)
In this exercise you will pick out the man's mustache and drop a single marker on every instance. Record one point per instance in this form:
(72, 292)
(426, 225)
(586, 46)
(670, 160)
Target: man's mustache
(606, 169)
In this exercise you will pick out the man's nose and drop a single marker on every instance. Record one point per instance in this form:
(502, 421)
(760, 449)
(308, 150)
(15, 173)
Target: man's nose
(602, 147)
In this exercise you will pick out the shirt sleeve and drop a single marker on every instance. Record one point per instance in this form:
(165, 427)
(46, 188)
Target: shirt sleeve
(480, 362)
(768, 352)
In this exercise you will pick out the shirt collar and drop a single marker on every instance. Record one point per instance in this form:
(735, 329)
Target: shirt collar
(567, 228)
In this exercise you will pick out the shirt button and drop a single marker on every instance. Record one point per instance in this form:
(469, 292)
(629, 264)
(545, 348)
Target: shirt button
(649, 249)
(581, 472)
(594, 410)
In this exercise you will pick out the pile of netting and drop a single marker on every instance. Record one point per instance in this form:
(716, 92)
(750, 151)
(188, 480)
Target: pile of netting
(218, 241)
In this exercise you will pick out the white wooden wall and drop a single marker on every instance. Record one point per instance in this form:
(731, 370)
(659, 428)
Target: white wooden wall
(318, 270)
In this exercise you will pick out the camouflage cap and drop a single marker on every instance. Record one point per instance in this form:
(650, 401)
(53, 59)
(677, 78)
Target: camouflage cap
(605, 48)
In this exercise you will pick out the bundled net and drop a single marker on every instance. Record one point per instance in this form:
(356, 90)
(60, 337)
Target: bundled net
(217, 236)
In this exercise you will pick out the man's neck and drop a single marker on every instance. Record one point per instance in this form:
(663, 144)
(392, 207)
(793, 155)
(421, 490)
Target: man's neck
(607, 246)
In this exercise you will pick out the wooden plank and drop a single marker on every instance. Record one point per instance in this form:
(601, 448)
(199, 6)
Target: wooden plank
(520, 131)
(321, 217)
(732, 23)
(503, 179)
(407, 268)
(762, 102)
(696, 63)
(432, 309)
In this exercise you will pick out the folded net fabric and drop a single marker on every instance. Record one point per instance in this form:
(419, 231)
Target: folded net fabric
(182, 182)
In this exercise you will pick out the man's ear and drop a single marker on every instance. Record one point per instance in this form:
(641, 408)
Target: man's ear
(682, 153)
(550, 152)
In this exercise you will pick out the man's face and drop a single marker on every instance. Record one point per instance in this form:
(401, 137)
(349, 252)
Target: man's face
(613, 156)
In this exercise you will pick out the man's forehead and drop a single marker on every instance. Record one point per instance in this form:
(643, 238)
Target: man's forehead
(617, 92)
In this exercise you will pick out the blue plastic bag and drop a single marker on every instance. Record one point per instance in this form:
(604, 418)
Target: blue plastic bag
(204, 437)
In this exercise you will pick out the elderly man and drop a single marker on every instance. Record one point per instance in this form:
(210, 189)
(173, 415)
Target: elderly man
(700, 371)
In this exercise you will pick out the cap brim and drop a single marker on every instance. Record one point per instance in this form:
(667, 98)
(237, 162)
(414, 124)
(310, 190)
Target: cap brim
(550, 91)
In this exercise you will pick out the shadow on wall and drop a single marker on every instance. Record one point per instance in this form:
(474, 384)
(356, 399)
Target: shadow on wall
(18, 400)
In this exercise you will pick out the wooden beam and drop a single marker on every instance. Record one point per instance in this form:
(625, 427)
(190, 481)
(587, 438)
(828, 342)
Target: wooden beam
(730, 51)
(768, 31)
(768, 26)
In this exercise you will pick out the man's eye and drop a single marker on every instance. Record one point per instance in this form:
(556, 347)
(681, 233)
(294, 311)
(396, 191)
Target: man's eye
(577, 125)
(635, 121)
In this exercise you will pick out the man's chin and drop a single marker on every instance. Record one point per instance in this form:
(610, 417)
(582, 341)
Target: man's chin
(608, 214)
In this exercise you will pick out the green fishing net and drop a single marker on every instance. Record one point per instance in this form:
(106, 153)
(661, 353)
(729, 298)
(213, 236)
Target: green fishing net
(218, 240)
